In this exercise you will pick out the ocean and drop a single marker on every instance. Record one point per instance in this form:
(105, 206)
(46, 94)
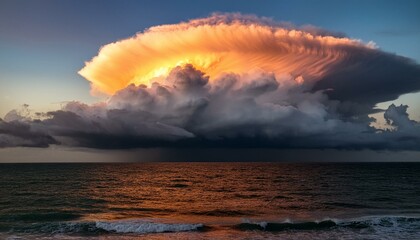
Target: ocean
(210, 201)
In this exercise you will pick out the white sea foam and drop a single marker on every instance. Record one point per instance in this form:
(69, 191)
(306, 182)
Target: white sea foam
(380, 225)
(136, 226)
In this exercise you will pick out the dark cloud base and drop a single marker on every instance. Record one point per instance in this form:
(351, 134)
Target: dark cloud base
(21, 134)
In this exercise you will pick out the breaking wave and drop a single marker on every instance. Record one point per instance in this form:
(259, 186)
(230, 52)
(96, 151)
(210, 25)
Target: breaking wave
(146, 227)
(377, 223)
(374, 225)
(102, 227)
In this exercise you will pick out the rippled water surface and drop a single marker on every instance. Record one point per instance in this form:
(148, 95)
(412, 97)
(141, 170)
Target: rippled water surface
(210, 200)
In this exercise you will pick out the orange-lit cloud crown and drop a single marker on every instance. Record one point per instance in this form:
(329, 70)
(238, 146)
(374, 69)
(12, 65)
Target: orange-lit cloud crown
(218, 44)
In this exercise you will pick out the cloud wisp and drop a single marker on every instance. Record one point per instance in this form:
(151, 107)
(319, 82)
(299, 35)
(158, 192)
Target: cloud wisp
(232, 81)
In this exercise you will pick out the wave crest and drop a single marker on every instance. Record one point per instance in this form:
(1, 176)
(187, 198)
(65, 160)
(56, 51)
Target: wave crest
(376, 223)
(136, 226)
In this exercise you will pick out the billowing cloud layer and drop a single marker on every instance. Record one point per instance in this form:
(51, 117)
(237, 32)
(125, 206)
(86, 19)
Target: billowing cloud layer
(16, 133)
(234, 43)
(249, 110)
(232, 81)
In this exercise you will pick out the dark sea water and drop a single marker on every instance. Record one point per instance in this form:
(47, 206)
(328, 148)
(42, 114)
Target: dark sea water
(210, 201)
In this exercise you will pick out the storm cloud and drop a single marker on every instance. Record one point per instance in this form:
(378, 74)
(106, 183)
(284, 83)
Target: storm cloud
(250, 110)
(232, 81)
(21, 134)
